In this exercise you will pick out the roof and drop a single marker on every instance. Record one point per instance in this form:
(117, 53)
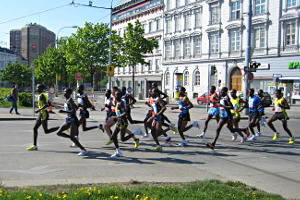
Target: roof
(122, 2)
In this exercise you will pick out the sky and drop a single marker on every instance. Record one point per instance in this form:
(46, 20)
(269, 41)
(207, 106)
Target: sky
(54, 20)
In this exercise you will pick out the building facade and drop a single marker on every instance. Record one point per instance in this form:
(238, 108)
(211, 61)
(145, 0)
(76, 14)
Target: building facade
(15, 41)
(33, 39)
(205, 40)
(150, 14)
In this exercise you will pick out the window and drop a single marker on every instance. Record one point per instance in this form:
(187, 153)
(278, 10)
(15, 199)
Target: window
(177, 3)
(187, 21)
(168, 25)
(177, 23)
(186, 78)
(123, 83)
(214, 43)
(187, 2)
(197, 78)
(186, 48)
(158, 24)
(235, 10)
(197, 46)
(197, 18)
(168, 78)
(291, 3)
(150, 27)
(177, 49)
(235, 40)
(214, 13)
(168, 52)
(142, 68)
(157, 64)
(169, 4)
(290, 33)
(260, 7)
(143, 26)
(150, 65)
(259, 37)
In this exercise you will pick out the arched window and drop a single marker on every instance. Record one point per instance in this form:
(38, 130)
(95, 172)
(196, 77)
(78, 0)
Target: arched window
(167, 78)
(197, 78)
(186, 78)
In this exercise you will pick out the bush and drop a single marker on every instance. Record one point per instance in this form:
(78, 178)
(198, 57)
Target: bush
(25, 99)
(4, 92)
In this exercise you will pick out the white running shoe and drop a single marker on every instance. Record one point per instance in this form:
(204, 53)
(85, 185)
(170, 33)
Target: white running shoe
(117, 154)
(184, 143)
(244, 139)
(252, 138)
(73, 145)
(82, 153)
(258, 134)
(145, 135)
(196, 124)
(201, 135)
(234, 137)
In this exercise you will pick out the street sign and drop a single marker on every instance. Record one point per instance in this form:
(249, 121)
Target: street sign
(58, 77)
(79, 76)
(51, 90)
(110, 70)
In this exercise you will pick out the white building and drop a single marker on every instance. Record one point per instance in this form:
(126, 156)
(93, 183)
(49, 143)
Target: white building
(206, 41)
(149, 13)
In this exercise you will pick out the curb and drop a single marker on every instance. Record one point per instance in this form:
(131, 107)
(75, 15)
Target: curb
(21, 119)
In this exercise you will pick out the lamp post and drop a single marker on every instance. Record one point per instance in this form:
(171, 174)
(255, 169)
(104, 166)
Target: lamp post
(59, 30)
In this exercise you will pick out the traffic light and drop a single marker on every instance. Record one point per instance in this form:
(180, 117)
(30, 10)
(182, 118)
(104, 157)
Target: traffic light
(253, 66)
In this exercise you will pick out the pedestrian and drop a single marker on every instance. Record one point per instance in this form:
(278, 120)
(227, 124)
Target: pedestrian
(14, 94)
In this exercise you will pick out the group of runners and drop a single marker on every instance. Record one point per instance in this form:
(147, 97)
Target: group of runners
(224, 107)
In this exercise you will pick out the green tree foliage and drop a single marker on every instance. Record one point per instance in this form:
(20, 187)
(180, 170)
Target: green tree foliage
(52, 62)
(88, 50)
(17, 73)
(135, 45)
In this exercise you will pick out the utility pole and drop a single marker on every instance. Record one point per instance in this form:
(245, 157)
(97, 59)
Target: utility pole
(110, 42)
(248, 53)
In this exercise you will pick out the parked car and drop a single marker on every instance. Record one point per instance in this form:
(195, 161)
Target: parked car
(203, 99)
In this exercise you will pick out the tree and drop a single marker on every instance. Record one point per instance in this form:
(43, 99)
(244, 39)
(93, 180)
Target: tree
(50, 64)
(17, 73)
(135, 46)
(88, 49)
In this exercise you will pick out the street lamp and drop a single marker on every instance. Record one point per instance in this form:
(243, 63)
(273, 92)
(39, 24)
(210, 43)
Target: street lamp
(59, 30)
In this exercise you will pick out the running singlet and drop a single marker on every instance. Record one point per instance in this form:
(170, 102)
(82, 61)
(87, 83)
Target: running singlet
(236, 106)
(253, 103)
(277, 104)
(80, 100)
(224, 112)
(183, 107)
(155, 106)
(41, 104)
(213, 102)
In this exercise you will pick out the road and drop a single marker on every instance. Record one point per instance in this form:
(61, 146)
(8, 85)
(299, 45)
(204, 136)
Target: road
(267, 165)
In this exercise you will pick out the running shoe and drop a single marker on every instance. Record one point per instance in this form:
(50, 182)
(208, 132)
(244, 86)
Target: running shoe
(82, 153)
(244, 139)
(258, 134)
(136, 143)
(145, 135)
(292, 140)
(196, 124)
(173, 128)
(32, 148)
(167, 139)
(201, 135)
(73, 145)
(276, 136)
(109, 142)
(184, 143)
(252, 138)
(101, 127)
(234, 137)
(117, 154)
(157, 148)
(210, 145)
(247, 133)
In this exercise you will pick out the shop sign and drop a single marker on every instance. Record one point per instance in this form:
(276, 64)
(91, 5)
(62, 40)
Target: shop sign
(294, 65)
